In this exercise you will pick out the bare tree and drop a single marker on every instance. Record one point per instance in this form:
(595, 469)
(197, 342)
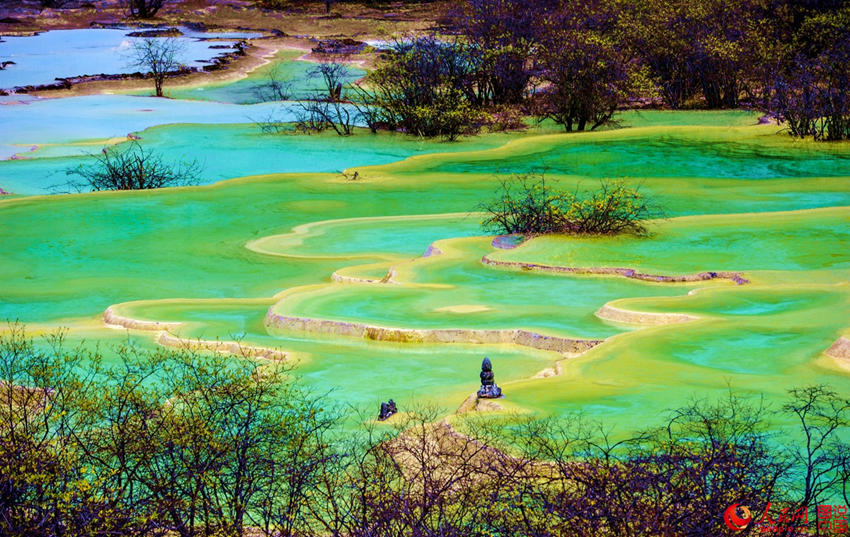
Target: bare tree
(133, 168)
(317, 115)
(323, 109)
(820, 462)
(159, 56)
(332, 75)
(143, 9)
(274, 88)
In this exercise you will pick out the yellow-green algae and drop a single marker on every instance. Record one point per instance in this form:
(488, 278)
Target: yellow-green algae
(67, 258)
(686, 170)
(427, 292)
(366, 236)
(365, 371)
(756, 340)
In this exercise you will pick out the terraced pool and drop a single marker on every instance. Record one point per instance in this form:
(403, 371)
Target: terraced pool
(376, 287)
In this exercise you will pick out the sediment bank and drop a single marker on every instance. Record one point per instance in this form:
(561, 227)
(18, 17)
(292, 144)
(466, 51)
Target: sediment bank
(840, 349)
(617, 271)
(119, 321)
(610, 313)
(520, 337)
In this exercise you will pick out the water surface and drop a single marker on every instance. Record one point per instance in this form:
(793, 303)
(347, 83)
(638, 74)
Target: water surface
(42, 58)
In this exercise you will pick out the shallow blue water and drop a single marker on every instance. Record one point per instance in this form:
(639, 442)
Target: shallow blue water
(108, 116)
(222, 152)
(42, 58)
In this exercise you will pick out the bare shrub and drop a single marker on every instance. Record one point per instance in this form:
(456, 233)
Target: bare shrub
(317, 115)
(131, 168)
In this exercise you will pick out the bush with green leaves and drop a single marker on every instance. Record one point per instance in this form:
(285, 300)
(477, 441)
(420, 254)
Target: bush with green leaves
(528, 204)
(419, 89)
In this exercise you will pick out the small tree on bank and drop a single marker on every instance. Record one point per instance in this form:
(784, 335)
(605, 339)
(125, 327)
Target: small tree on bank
(131, 168)
(159, 56)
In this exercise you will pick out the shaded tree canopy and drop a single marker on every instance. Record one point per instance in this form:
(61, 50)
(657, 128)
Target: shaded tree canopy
(577, 62)
(423, 88)
(586, 73)
(811, 92)
(143, 9)
(502, 34)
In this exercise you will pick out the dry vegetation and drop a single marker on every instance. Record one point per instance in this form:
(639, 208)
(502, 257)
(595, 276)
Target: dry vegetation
(303, 19)
(298, 27)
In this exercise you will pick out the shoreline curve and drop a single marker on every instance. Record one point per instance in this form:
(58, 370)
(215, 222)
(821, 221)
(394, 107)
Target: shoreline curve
(345, 279)
(113, 320)
(167, 339)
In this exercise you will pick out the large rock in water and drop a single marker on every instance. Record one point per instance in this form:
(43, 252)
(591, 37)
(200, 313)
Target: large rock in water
(387, 409)
(489, 389)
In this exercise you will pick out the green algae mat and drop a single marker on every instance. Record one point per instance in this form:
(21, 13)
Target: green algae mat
(386, 286)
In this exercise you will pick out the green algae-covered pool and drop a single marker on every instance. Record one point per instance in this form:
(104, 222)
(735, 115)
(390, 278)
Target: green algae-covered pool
(399, 252)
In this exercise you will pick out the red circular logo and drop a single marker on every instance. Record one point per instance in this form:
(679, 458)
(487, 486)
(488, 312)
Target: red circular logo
(733, 520)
